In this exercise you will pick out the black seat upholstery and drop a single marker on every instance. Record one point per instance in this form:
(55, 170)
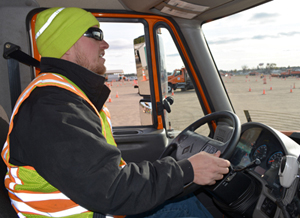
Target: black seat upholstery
(6, 210)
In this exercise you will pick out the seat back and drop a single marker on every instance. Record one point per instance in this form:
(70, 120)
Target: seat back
(6, 210)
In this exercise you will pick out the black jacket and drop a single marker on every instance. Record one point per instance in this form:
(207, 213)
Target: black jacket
(59, 134)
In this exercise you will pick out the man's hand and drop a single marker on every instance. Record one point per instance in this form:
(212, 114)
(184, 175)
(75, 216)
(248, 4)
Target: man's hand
(208, 167)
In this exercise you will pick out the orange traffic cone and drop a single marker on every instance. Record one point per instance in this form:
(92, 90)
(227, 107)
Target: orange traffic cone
(294, 86)
(117, 96)
(291, 90)
(144, 76)
(172, 91)
(109, 99)
(249, 89)
(264, 92)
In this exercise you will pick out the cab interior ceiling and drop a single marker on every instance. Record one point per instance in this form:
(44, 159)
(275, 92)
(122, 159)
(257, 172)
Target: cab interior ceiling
(215, 9)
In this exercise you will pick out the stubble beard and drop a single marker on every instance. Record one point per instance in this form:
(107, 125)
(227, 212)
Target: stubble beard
(84, 62)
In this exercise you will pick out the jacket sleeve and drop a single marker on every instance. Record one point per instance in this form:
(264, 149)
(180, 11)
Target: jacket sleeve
(58, 134)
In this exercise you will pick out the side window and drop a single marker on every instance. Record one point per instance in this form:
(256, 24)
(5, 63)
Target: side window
(177, 72)
(123, 77)
(186, 107)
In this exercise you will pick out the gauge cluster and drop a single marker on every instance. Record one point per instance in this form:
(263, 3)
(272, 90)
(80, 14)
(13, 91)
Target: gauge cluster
(260, 143)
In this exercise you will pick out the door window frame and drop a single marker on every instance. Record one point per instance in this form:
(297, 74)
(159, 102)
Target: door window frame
(151, 23)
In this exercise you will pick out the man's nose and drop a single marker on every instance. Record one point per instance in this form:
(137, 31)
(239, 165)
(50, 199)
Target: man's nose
(104, 44)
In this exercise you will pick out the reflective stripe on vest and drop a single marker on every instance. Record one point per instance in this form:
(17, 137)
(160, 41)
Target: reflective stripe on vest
(30, 194)
(107, 114)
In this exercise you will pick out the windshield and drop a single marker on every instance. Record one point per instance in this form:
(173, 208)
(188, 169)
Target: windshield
(257, 53)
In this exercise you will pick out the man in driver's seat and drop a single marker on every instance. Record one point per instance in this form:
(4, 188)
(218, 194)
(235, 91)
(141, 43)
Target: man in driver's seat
(61, 155)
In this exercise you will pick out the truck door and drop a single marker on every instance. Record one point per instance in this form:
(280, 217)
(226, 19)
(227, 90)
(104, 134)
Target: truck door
(141, 125)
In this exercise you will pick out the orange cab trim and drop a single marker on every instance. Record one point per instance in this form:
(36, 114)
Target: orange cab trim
(34, 49)
(151, 23)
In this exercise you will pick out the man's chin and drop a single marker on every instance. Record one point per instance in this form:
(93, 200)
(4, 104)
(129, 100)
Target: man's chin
(100, 71)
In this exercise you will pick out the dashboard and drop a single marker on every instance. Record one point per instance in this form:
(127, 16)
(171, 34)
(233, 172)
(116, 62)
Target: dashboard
(257, 142)
(251, 190)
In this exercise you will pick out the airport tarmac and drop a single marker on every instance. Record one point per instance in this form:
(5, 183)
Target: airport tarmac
(274, 101)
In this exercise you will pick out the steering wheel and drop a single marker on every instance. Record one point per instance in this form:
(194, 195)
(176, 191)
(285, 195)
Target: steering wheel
(188, 143)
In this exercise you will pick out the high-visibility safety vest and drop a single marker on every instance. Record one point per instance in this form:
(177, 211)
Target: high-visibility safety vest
(30, 194)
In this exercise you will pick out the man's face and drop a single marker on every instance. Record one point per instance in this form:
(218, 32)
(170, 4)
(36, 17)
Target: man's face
(89, 52)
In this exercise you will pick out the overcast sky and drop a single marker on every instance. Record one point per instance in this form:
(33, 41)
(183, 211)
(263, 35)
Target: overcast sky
(272, 35)
(269, 33)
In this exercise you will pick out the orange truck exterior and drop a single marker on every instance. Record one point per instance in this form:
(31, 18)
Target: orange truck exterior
(179, 79)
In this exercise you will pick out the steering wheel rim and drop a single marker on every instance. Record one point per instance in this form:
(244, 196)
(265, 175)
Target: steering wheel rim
(226, 148)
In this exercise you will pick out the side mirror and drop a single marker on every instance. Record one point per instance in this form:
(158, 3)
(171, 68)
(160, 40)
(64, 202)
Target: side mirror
(145, 108)
(167, 102)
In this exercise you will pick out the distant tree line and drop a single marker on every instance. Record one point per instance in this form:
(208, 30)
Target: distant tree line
(267, 69)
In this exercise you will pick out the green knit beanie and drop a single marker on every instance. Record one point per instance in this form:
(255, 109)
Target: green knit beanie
(57, 29)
